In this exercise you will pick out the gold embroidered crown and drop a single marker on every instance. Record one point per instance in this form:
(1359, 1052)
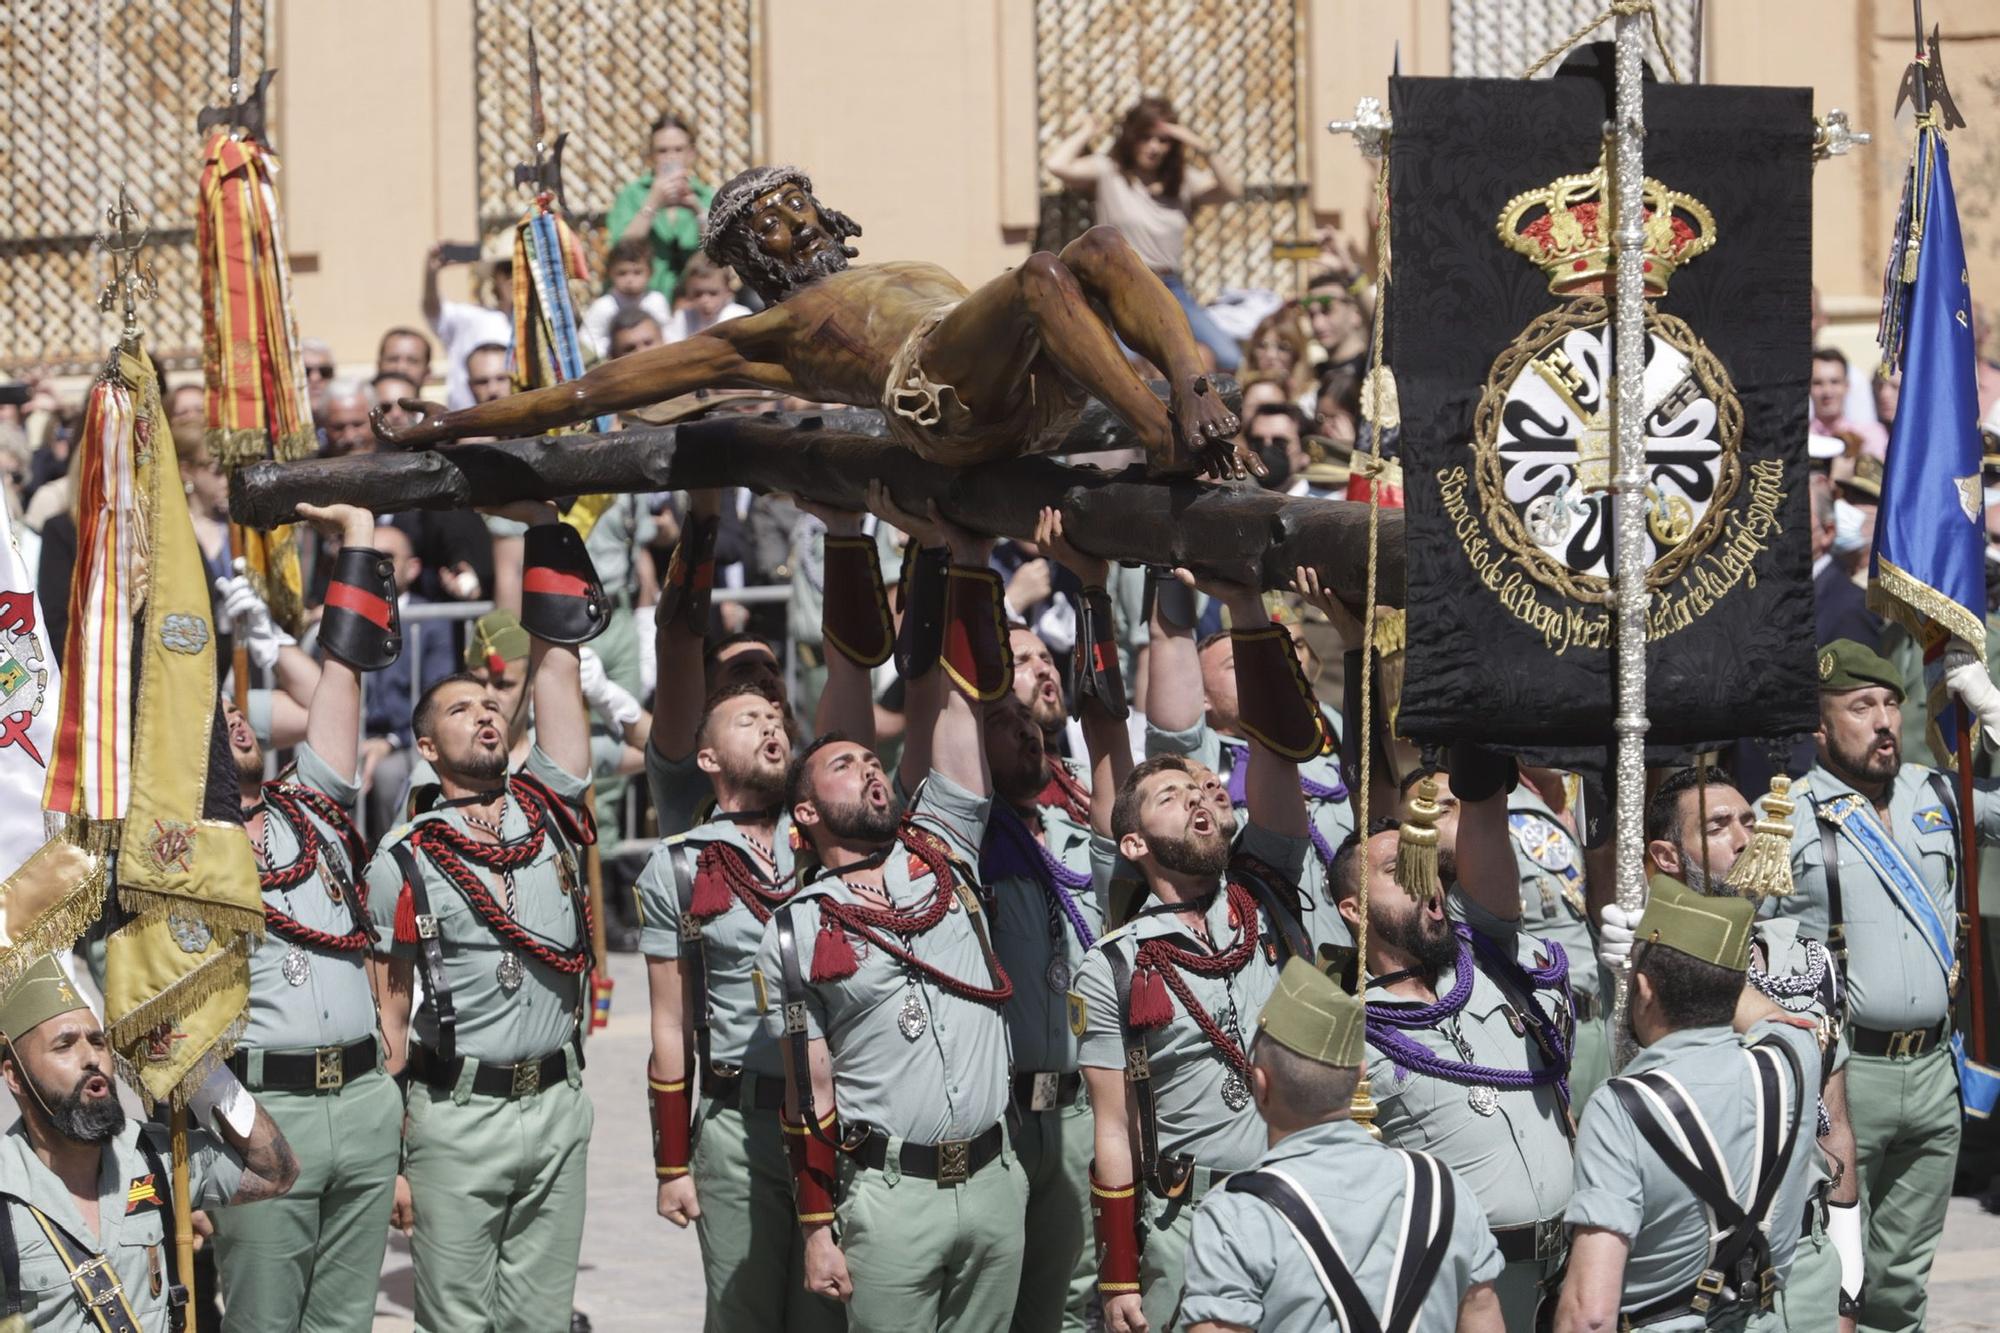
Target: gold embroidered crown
(1565, 226)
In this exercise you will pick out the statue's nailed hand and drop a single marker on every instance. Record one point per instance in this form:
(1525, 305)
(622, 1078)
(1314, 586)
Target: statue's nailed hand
(426, 429)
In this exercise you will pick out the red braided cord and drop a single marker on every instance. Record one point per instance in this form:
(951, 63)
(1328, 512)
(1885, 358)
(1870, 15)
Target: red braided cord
(1168, 959)
(1065, 793)
(450, 849)
(294, 802)
(734, 867)
(868, 921)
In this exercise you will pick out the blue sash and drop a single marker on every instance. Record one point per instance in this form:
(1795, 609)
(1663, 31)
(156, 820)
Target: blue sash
(1852, 816)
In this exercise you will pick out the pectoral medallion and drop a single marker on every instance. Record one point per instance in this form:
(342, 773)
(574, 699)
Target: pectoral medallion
(1235, 1092)
(297, 968)
(912, 1020)
(510, 972)
(1484, 1100)
(1059, 976)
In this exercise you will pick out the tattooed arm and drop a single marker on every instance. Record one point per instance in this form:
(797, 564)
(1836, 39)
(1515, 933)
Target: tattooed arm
(269, 1165)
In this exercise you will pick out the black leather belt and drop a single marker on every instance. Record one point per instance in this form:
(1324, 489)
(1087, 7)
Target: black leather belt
(1908, 1042)
(952, 1162)
(1045, 1091)
(725, 1084)
(1538, 1241)
(1585, 1007)
(323, 1069)
(490, 1080)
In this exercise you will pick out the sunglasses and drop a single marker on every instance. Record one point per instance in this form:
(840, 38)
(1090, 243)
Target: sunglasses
(1271, 441)
(1325, 302)
(320, 372)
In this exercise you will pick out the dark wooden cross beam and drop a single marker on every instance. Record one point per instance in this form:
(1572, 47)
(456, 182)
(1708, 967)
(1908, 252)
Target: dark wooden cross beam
(1237, 532)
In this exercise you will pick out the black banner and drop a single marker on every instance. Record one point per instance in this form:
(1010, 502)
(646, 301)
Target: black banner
(1499, 323)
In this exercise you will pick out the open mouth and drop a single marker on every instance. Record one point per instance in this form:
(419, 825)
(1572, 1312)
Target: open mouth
(97, 1086)
(773, 752)
(1434, 909)
(1201, 821)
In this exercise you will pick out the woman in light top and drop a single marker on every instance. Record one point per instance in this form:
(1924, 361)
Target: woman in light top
(1148, 188)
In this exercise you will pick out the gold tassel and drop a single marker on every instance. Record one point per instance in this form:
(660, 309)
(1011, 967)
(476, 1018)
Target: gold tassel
(1764, 870)
(1417, 844)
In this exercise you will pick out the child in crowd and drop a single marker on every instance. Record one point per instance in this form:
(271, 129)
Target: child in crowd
(631, 268)
(703, 299)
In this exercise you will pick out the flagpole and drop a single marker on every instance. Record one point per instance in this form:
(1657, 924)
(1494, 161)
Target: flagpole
(1628, 485)
(1968, 839)
(177, 1123)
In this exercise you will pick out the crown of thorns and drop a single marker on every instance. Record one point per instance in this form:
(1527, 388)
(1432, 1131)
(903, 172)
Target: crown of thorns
(732, 203)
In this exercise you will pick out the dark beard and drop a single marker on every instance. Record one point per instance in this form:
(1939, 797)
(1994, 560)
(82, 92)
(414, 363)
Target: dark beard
(1447, 868)
(1050, 715)
(250, 767)
(81, 1120)
(862, 822)
(1857, 765)
(1412, 935)
(480, 766)
(1189, 855)
(775, 281)
(1696, 878)
(759, 785)
(1022, 784)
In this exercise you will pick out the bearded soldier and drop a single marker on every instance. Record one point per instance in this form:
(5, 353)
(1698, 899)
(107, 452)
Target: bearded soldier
(1162, 1004)
(483, 893)
(961, 377)
(86, 1210)
(314, 1258)
(705, 897)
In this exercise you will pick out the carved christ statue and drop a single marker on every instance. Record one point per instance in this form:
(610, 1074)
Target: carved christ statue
(961, 377)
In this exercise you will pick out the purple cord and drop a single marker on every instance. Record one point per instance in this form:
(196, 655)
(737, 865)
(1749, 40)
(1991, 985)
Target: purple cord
(1018, 853)
(1386, 1023)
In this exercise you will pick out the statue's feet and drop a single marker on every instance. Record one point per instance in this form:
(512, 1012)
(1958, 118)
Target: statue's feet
(1204, 430)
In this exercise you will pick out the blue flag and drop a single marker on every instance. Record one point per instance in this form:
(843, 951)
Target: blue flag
(1928, 569)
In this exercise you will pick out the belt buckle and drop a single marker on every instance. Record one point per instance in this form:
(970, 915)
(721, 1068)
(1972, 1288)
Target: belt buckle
(1708, 1289)
(1902, 1044)
(1549, 1238)
(954, 1162)
(527, 1078)
(328, 1074)
(1044, 1095)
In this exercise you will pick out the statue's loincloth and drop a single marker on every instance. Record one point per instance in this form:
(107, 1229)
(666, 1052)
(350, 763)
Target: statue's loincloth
(930, 419)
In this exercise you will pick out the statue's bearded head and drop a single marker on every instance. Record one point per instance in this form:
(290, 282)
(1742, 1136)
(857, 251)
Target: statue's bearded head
(766, 224)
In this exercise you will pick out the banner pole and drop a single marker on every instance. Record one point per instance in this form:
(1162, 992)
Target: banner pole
(1628, 485)
(1968, 835)
(183, 1205)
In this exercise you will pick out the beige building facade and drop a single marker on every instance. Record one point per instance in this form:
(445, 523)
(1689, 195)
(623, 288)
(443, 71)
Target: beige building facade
(925, 119)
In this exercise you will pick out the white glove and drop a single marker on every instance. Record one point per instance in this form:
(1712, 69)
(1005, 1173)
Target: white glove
(251, 621)
(1616, 930)
(221, 1095)
(649, 650)
(606, 697)
(1843, 1228)
(1970, 681)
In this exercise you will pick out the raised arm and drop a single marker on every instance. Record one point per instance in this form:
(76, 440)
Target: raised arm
(1174, 697)
(710, 360)
(1226, 187)
(433, 307)
(1487, 870)
(847, 703)
(1268, 682)
(681, 623)
(333, 725)
(1069, 161)
(1105, 737)
(562, 722)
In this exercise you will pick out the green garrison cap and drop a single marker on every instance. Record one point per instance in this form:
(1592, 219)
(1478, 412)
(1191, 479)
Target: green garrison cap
(495, 634)
(1310, 1015)
(1847, 665)
(1715, 930)
(41, 993)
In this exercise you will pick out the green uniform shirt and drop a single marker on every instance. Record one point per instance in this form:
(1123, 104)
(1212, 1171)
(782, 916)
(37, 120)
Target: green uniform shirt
(494, 1027)
(1332, 819)
(1552, 897)
(729, 943)
(1188, 1073)
(678, 787)
(1518, 1158)
(950, 1081)
(1622, 1185)
(1894, 980)
(676, 233)
(335, 1004)
(1245, 1266)
(1038, 945)
(131, 1227)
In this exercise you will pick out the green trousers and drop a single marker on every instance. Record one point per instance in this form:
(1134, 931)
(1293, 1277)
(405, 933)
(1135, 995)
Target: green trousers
(751, 1255)
(310, 1262)
(926, 1256)
(1590, 1063)
(1811, 1296)
(1164, 1228)
(498, 1188)
(1522, 1287)
(1054, 1148)
(1906, 1121)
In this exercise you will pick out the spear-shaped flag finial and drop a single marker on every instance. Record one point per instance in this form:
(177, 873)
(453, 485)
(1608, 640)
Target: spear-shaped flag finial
(544, 173)
(242, 112)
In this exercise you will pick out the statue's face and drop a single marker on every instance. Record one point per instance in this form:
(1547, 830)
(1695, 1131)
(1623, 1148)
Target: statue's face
(787, 227)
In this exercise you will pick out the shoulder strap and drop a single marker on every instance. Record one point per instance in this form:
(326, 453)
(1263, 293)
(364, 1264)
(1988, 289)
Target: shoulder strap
(1431, 1192)
(1829, 855)
(92, 1278)
(1285, 916)
(10, 1260)
(1168, 1178)
(793, 981)
(694, 950)
(430, 950)
(565, 834)
(163, 1184)
(1949, 800)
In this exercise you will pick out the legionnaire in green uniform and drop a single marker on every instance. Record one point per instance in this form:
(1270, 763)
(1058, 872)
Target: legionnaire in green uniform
(883, 990)
(313, 1259)
(483, 892)
(1194, 708)
(704, 899)
(1163, 1004)
(1328, 1224)
(86, 1213)
(1469, 1028)
(1695, 833)
(1545, 819)
(1874, 861)
(1693, 1163)
(1036, 864)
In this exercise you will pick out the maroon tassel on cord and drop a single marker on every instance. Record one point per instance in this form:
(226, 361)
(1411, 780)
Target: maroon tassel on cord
(711, 891)
(1151, 1007)
(833, 956)
(406, 917)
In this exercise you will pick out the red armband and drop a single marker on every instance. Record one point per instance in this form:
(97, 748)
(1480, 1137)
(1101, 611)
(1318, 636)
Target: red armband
(1116, 1212)
(815, 1172)
(977, 655)
(672, 1118)
(855, 619)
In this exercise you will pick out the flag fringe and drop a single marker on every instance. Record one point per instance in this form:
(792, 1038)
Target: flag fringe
(1914, 604)
(134, 1074)
(58, 928)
